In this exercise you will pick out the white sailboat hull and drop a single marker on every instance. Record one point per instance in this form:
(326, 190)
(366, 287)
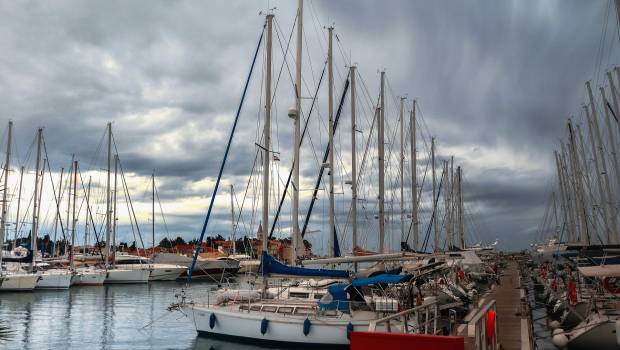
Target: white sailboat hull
(18, 282)
(280, 328)
(54, 279)
(127, 276)
(88, 277)
(165, 272)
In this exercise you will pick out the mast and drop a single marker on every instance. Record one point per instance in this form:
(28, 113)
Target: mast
(402, 170)
(450, 216)
(578, 180)
(35, 219)
(71, 257)
(266, 139)
(66, 226)
(86, 226)
(114, 213)
(612, 142)
(459, 171)
(563, 196)
(612, 234)
(232, 222)
(614, 95)
(296, 237)
(108, 223)
(353, 164)
(6, 189)
(152, 209)
(414, 178)
(62, 170)
(330, 106)
(19, 200)
(446, 202)
(584, 164)
(381, 158)
(435, 221)
(570, 198)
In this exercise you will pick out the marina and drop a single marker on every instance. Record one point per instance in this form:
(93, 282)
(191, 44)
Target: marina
(264, 185)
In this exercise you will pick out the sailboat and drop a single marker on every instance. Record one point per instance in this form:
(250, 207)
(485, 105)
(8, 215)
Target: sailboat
(12, 276)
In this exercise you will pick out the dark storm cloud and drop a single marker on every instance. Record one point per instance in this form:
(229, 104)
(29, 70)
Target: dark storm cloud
(490, 76)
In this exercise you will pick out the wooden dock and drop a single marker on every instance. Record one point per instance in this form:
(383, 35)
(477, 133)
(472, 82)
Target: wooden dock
(513, 326)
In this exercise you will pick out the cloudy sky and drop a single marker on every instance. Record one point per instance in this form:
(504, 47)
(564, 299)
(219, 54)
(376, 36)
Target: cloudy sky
(495, 82)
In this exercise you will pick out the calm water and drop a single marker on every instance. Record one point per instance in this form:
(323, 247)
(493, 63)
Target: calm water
(104, 317)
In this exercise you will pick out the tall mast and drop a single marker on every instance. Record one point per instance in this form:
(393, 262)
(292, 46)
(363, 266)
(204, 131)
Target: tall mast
(570, 198)
(578, 180)
(414, 178)
(353, 163)
(446, 202)
(6, 189)
(450, 215)
(597, 170)
(232, 221)
(612, 234)
(153, 210)
(584, 164)
(108, 221)
(19, 200)
(62, 170)
(71, 258)
(330, 106)
(86, 226)
(614, 96)
(66, 226)
(35, 219)
(114, 213)
(435, 221)
(381, 144)
(266, 139)
(612, 143)
(402, 171)
(459, 171)
(295, 241)
(563, 196)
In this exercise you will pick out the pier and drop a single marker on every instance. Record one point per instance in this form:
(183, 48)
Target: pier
(512, 323)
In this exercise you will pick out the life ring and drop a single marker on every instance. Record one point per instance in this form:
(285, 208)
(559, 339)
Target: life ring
(612, 284)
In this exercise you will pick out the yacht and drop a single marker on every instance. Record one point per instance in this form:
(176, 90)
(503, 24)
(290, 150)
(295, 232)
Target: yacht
(157, 271)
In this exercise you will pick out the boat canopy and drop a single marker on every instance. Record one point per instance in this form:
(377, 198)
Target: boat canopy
(269, 265)
(600, 271)
(336, 298)
(380, 279)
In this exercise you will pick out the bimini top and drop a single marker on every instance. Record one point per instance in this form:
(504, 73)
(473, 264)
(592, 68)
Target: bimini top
(269, 265)
(380, 279)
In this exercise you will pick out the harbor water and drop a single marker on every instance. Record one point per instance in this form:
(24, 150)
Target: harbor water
(102, 317)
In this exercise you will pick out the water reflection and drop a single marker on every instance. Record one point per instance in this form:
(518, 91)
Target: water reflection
(107, 317)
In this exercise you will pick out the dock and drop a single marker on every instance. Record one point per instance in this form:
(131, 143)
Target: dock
(512, 323)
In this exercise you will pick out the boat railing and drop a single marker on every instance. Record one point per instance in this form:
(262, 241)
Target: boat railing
(420, 319)
(478, 326)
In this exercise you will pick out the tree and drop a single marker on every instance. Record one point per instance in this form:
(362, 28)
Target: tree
(165, 243)
(179, 241)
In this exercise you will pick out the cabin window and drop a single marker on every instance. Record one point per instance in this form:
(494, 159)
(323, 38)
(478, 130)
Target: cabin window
(269, 308)
(303, 311)
(285, 310)
(298, 295)
(255, 307)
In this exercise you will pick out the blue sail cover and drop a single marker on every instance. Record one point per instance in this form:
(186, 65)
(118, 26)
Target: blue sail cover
(269, 265)
(380, 279)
